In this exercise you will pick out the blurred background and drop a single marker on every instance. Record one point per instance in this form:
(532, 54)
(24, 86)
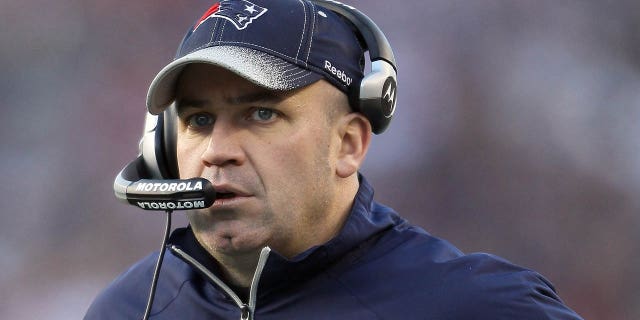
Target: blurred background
(517, 133)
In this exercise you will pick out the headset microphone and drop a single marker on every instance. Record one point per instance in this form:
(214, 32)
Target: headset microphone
(133, 186)
(162, 194)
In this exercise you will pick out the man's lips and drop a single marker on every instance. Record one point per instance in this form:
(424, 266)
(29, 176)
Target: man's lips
(224, 193)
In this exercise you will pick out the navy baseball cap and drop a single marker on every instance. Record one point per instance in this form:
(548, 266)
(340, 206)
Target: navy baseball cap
(276, 44)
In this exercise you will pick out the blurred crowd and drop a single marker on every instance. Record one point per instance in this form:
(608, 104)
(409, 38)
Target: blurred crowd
(517, 133)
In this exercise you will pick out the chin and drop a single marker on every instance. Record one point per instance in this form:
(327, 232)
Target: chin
(233, 243)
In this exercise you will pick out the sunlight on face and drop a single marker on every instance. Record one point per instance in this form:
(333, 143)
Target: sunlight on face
(270, 155)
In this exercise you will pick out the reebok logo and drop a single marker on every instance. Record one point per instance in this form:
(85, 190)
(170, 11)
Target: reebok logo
(338, 73)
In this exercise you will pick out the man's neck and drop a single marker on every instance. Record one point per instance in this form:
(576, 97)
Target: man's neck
(238, 270)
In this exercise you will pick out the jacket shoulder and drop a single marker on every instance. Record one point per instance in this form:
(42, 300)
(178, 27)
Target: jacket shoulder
(430, 278)
(495, 288)
(124, 297)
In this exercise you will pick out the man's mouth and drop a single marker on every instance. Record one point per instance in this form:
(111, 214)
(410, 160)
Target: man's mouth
(225, 195)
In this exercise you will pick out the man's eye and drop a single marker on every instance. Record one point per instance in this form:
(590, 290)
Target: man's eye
(263, 114)
(199, 120)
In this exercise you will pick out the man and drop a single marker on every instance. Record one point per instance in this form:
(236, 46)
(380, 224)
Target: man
(264, 109)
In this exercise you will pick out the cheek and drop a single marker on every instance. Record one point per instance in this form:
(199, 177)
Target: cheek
(301, 153)
(304, 187)
(298, 166)
(188, 155)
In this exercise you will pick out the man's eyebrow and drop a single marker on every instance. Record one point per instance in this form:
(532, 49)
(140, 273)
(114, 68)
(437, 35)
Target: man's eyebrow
(182, 103)
(260, 96)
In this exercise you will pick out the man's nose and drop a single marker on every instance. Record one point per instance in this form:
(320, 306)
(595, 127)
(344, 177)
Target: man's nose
(224, 146)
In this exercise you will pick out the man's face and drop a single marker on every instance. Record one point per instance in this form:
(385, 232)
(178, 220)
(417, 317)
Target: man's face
(271, 157)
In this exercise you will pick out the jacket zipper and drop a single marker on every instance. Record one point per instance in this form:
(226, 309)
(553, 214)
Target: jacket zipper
(246, 309)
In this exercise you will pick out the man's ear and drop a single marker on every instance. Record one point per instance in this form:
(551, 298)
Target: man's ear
(355, 136)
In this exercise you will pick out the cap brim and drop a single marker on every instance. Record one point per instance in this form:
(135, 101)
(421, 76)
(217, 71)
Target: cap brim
(256, 66)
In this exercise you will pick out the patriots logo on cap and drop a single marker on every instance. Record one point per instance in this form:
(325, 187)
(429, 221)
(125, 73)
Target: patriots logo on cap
(240, 12)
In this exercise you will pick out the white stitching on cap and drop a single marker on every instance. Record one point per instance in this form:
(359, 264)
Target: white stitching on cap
(295, 71)
(304, 27)
(213, 32)
(301, 77)
(255, 45)
(292, 74)
(313, 27)
(224, 25)
(218, 43)
(282, 62)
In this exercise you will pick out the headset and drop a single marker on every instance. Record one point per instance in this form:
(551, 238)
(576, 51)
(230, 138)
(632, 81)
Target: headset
(375, 99)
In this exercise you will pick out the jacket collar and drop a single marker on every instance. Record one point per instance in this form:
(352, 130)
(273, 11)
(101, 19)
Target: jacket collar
(366, 219)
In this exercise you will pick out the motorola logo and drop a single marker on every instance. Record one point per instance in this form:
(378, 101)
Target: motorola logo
(389, 97)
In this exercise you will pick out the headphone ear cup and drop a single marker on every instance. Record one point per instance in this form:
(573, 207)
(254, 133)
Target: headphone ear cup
(377, 96)
(158, 154)
(170, 135)
(149, 147)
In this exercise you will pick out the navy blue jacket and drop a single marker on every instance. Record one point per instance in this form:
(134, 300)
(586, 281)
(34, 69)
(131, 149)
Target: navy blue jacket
(378, 267)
